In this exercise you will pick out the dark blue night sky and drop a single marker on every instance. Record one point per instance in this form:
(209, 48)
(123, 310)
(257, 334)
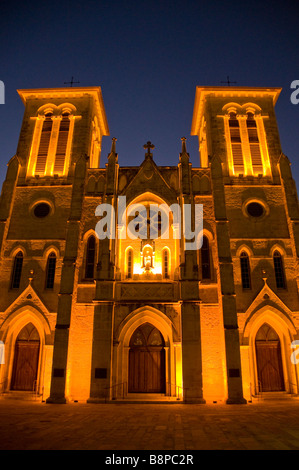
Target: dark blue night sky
(148, 58)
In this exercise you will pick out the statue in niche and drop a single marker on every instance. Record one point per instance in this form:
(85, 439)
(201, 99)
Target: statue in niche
(147, 258)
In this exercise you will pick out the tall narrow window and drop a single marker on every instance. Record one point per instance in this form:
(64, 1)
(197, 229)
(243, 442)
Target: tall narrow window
(44, 143)
(166, 264)
(205, 259)
(236, 143)
(245, 270)
(51, 266)
(17, 271)
(130, 264)
(90, 257)
(62, 143)
(255, 151)
(279, 270)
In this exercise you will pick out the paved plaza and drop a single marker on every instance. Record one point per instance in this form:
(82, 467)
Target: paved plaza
(81, 426)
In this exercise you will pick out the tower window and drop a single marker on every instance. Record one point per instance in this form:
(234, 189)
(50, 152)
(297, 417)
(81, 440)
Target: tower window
(41, 210)
(51, 266)
(17, 271)
(90, 257)
(255, 209)
(245, 270)
(62, 143)
(44, 143)
(255, 151)
(236, 143)
(279, 270)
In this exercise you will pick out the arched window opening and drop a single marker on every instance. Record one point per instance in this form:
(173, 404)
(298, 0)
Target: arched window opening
(205, 259)
(44, 143)
(255, 151)
(17, 271)
(51, 266)
(62, 143)
(90, 257)
(279, 270)
(236, 144)
(245, 270)
(165, 260)
(130, 263)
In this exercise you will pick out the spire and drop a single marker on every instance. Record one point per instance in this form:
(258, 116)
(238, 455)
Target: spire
(112, 157)
(113, 145)
(184, 155)
(184, 148)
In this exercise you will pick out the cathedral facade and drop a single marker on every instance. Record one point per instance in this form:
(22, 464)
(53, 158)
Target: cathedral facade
(124, 317)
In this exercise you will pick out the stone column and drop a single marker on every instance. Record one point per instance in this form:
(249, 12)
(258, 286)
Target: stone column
(227, 288)
(60, 353)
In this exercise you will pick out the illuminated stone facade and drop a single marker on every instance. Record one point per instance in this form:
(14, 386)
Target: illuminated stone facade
(120, 318)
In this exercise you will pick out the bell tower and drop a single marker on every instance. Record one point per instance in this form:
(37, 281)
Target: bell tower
(59, 126)
(238, 125)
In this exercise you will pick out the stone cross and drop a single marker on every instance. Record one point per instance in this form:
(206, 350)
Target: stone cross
(148, 146)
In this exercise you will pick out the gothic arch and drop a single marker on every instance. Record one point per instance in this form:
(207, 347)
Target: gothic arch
(10, 330)
(285, 330)
(123, 336)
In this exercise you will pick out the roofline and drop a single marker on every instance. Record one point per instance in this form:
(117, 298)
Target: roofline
(202, 91)
(61, 92)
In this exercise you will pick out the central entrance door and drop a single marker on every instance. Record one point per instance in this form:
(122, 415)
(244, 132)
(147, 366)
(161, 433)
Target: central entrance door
(268, 358)
(147, 361)
(26, 359)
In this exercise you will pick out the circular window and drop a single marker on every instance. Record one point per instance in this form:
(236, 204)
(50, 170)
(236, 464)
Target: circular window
(255, 209)
(41, 210)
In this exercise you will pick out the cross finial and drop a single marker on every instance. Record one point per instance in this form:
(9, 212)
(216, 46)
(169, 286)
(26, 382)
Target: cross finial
(71, 82)
(149, 146)
(228, 82)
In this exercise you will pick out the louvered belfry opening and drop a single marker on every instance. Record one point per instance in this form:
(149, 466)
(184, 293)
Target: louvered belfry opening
(256, 157)
(236, 143)
(44, 143)
(62, 144)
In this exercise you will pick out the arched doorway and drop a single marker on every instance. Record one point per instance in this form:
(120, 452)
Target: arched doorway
(268, 358)
(146, 361)
(26, 357)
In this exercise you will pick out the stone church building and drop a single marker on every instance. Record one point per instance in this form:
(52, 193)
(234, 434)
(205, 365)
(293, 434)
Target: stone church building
(84, 318)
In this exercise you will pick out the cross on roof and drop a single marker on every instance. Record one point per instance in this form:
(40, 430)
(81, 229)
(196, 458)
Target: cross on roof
(148, 146)
(71, 82)
(228, 81)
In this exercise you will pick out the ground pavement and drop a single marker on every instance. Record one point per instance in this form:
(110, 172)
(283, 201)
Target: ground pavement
(259, 426)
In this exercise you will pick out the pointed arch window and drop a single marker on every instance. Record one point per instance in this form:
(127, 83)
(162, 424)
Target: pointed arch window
(17, 270)
(90, 257)
(254, 144)
(236, 144)
(130, 263)
(279, 270)
(165, 260)
(51, 267)
(44, 144)
(205, 259)
(245, 270)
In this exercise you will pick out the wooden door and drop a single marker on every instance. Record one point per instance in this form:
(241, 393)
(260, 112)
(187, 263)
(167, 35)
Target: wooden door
(26, 359)
(269, 362)
(147, 361)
